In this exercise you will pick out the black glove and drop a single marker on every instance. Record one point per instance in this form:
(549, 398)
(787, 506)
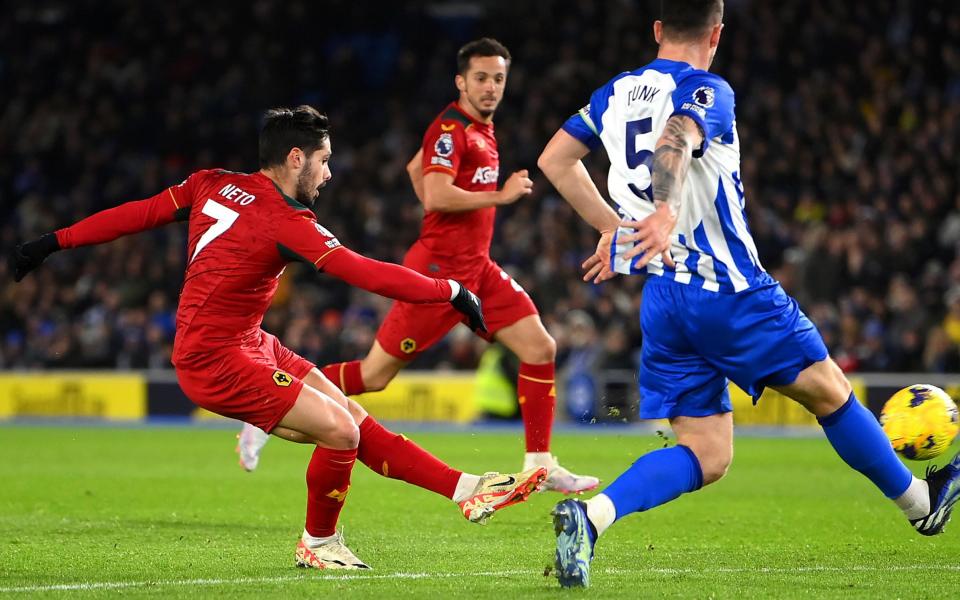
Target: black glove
(28, 256)
(467, 302)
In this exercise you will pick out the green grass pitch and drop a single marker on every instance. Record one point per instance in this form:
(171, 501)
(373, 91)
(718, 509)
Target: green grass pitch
(166, 512)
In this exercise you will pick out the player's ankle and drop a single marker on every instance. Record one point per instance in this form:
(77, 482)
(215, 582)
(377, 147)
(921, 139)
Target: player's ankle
(538, 459)
(915, 501)
(601, 513)
(465, 486)
(313, 541)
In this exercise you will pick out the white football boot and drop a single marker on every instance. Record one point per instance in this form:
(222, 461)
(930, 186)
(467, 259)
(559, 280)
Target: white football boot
(558, 478)
(250, 441)
(332, 554)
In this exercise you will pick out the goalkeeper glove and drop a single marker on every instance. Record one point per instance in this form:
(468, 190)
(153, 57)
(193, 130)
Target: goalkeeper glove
(467, 303)
(28, 256)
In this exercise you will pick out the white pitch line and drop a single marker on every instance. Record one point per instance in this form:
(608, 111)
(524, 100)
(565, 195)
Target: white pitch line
(118, 585)
(790, 570)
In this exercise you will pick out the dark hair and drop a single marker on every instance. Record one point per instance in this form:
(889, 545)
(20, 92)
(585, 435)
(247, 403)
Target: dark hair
(482, 47)
(689, 18)
(302, 127)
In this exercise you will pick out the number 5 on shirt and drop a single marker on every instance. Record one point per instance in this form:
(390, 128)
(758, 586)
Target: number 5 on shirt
(636, 157)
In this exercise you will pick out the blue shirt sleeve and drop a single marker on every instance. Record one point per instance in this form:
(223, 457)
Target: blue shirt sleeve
(708, 100)
(587, 124)
(580, 126)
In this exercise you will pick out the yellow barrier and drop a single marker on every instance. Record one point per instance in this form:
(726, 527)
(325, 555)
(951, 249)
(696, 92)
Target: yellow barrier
(413, 396)
(776, 409)
(424, 397)
(63, 394)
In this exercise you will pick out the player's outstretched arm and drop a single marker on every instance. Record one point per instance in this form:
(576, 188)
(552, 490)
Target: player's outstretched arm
(304, 240)
(441, 195)
(400, 283)
(104, 226)
(671, 161)
(562, 162)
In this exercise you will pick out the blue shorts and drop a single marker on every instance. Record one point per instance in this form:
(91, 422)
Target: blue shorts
(694, 340)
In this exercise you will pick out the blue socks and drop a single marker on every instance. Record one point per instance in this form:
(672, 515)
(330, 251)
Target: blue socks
(859, 440)
(663, 475)
(654, 479)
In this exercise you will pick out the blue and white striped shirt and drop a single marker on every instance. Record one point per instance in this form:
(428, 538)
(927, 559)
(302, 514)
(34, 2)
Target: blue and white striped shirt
(712, 246)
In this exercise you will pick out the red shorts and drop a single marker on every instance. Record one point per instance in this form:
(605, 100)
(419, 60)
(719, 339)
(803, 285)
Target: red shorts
(256, 383)
(409, 329)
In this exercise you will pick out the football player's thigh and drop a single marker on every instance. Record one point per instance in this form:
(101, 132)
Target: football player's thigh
(302, 368)
(409, 329)
(821, 388)
(675, 378)
(318, 381)
(321, 419)
(675, 383)
(770, 342)
(504, 301)
(239, 386)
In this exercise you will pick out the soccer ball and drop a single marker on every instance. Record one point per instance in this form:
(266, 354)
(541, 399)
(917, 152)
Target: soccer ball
(921, 421)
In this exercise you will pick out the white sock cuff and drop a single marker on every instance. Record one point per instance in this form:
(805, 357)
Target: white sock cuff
(537, 459)
(601, 512)
(465, 486)
(313, 542)
(915, 502)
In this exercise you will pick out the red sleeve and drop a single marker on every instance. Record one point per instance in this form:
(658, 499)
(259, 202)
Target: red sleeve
(169, 205)
(307, 241)
(387, 279)
(304, 240)
(443, 146)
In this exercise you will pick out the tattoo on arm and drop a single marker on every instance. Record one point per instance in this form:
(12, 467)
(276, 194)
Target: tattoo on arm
(671, 161)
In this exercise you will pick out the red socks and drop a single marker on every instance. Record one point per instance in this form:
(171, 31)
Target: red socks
(346, 376)
(537, 395)
(328, 480)
(393, 455)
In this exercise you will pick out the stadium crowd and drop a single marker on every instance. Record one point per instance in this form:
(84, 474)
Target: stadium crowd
(848, 115)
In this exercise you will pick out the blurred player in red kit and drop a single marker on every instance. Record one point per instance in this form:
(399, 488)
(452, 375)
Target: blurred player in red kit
(455, 176)
(244, 228)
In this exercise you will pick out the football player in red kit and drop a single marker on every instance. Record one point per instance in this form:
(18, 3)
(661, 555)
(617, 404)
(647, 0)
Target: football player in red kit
(455, 175)
(243, 231)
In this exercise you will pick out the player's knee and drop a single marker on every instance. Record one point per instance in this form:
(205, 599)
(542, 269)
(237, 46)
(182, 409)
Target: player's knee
(714, 457)
(345, 435)
(549, 348)
(540, 351)
(833, 400)
(715, 468)
(826, 391)
(841, 385)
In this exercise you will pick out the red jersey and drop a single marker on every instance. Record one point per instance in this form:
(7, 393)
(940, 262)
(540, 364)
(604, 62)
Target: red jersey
(457, 144)
(243, 232)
